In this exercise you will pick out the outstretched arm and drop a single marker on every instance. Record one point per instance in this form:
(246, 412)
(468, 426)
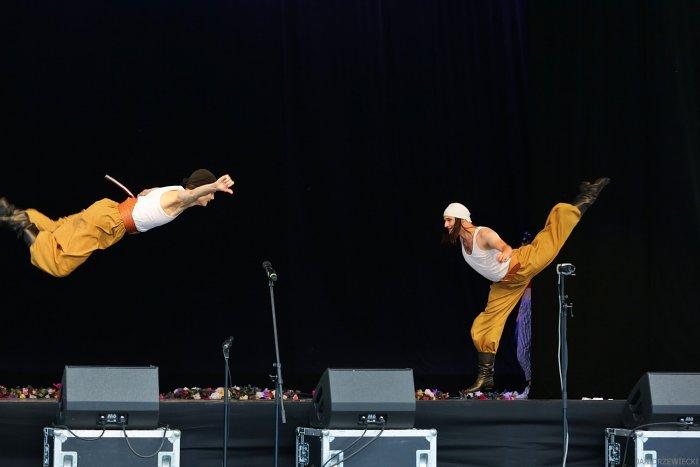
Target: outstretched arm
(224, 184)
(494, 241)
(174, 202)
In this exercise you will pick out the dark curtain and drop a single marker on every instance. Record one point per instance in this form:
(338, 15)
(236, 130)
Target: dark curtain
(348, 127)
(614, 89)
(392, 110)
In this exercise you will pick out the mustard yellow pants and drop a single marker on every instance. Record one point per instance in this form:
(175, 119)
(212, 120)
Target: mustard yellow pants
(65, 244)
(503, 296)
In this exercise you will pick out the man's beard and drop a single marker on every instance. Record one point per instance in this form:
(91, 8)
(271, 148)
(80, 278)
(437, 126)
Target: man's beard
(451, 237)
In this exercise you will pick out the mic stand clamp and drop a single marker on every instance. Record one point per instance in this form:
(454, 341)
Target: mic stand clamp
(568, 306)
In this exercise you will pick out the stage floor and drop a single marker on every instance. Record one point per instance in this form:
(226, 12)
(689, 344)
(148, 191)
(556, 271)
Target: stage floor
(470, 432)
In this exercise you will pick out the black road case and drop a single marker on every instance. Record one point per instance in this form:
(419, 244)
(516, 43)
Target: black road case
(63, 448)
(651, 448)
(395, 448)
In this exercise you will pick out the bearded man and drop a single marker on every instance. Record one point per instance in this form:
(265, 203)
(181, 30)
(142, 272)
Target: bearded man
(510, 270)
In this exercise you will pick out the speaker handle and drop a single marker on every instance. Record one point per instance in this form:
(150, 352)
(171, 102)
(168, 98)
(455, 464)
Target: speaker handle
(634, 405)
(318, 402)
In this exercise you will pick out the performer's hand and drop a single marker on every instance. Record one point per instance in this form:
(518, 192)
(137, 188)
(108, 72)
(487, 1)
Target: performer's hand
(505, 255)
(224, 184)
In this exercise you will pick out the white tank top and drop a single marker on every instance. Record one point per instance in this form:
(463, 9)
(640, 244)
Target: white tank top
(484, 261)
(148, 213)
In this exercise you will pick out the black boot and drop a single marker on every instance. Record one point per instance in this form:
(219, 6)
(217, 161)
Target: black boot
(6, 209)
(23, 227)
(589, 193)
(484, 380)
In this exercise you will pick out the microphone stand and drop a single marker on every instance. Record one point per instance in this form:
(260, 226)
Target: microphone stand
(225, 349)
(565, 306)
(277, 377)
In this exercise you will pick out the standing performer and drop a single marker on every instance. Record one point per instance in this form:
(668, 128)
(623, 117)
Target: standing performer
(509, 270)
(59, 247)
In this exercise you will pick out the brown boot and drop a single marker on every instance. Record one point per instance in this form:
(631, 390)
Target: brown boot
(589, 193)
(29, 234)
(23, 227)
(484, 380)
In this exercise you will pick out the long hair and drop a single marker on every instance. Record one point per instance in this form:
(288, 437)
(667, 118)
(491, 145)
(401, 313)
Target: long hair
(451, 237)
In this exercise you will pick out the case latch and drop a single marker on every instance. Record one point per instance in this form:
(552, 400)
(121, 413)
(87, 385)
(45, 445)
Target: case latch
(303, 454)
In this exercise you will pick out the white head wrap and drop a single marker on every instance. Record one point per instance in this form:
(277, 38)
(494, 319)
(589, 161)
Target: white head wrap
(458, 210)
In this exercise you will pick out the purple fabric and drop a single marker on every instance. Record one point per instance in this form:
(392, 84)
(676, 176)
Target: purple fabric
(523, 335)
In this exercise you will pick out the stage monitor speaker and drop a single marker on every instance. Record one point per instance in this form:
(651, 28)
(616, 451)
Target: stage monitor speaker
(94, 397)
(663, 397)
(356, 398)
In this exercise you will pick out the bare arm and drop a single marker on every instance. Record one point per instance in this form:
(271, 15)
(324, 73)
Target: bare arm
(493, 241)
(186, 197)
(174, 201)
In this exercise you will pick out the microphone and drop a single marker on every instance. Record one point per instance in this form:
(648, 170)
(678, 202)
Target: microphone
(227, 343)
(271, 274)
(566, 269)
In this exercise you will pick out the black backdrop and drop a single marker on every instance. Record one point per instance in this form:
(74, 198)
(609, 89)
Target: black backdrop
(348, 126)
(614, 88)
